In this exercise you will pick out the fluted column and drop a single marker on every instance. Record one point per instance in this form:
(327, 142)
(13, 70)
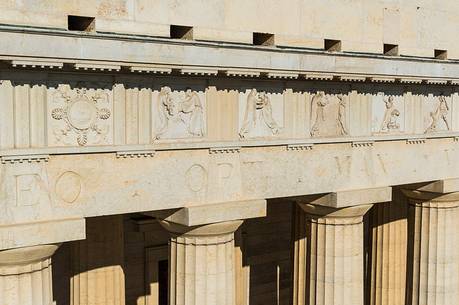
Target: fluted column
(97, 264)
(387, 277)
(202, 263)
(434, 251)
(335, 255)
(26, 276)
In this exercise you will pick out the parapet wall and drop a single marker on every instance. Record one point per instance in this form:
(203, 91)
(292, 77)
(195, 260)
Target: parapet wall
(360, 25)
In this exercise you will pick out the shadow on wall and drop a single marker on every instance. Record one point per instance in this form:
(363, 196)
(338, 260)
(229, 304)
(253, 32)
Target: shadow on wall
(114, 259)
(266, 244)
(92, 268)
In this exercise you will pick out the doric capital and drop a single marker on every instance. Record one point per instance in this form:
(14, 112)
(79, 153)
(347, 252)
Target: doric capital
(26, 260)
(214, 229)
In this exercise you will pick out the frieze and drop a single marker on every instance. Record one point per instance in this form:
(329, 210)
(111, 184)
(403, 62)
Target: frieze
(437, 116)
(388, 114)
(179, 114)
(80, 117)
(260, 116)
(328, 115)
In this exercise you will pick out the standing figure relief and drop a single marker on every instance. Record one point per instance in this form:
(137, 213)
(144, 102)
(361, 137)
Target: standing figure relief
(391, 115)
(439, 114)
(328, 115)
(258, 118)
(180, 115)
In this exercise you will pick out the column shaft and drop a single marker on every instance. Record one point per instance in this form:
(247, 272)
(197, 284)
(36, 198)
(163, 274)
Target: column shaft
(388, 252)
(97, 264)
(202, 264)
(434, 253)
(335, 255)
(26, 276)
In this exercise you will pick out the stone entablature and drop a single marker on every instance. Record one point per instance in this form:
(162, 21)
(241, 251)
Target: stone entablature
(82, 110)
(42, 199)
(149, 55)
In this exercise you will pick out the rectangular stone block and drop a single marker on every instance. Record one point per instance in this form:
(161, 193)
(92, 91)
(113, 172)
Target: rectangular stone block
(343, 199)
(213, 213)
(440, 186)
(42, 233)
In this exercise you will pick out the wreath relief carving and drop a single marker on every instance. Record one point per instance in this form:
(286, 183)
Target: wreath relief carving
(80, 117)
(179, 114)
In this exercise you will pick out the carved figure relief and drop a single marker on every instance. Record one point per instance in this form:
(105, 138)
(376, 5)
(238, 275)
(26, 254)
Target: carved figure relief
(80, 117)
(328, 115)
(179, 114)
(439, 116)
(388, 114)
(258, 117)
(391, 115)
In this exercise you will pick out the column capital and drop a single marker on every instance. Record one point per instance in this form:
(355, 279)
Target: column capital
(214, 229)
(26, 276)
(327, 212)
(29, 259)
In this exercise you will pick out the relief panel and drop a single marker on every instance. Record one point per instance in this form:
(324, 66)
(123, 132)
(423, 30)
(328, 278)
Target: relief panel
(329, 115)
(388, 114)
(261, 114)
(79, 116)
(437, 113)
(179, 114)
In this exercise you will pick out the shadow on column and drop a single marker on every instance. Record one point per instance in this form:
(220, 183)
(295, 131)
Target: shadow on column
(386, 251)
(91, 271)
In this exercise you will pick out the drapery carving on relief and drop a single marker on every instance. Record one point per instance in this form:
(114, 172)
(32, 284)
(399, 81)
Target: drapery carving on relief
(328, 115)
(179, 114)
(80, 116)
(437, 115)
(258, 116)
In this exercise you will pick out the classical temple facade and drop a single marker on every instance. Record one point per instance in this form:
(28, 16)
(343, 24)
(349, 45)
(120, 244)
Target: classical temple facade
(229, 152)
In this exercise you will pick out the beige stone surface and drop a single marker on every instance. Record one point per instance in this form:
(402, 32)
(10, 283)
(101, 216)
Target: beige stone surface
(335, 256)
(388, 261)
(441, 186)
(213, 213)
(362, 26)
(433, 274)
(100, 184)
(26, 275)
(202, 263)
(350, 198)
(97, 264)
(42, 233)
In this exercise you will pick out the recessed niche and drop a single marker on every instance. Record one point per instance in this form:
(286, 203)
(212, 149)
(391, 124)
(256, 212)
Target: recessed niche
(390, 49)
(332, 45)
(263, 39)
(81, 23)
(441, 54)
(181, 32)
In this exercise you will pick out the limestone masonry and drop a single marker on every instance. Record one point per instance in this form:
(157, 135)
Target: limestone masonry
(229, 152)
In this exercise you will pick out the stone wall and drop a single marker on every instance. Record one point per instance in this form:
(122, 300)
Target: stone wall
(362, 26)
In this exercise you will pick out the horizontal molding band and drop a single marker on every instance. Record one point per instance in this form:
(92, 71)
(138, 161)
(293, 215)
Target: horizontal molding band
(214, 146)
(54, 47)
